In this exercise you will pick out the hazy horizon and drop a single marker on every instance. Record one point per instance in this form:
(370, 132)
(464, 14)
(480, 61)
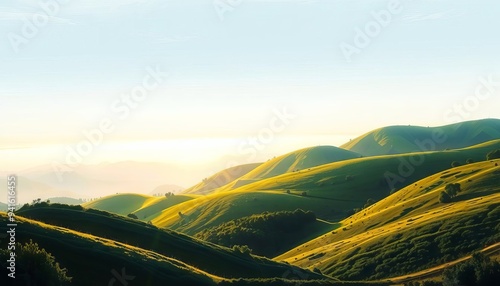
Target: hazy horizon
(198, 88)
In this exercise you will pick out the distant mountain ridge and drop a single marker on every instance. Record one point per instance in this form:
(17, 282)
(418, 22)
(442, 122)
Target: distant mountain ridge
(405, 139)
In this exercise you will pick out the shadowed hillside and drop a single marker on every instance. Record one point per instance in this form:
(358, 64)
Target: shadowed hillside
(405, 139)
(412, 229)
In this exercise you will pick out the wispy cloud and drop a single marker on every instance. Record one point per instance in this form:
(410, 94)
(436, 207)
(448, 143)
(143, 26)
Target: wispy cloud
(442, 15)
(10, 14)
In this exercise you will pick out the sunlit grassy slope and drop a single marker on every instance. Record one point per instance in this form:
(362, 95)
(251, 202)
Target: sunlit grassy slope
(411, 230)
(90, 260)
(404, 139)
(145, 207)
(222, 262)
(331, 189)
(220, 179)
(294, 161)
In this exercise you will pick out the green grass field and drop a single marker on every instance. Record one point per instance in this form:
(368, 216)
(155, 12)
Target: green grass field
(411, 227)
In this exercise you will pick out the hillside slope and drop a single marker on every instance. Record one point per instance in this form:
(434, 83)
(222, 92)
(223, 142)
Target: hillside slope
(411, 230)
(222, 262)
(405, 139)
(330, 190)
(293, 162)
(220, 179)
(90, 260)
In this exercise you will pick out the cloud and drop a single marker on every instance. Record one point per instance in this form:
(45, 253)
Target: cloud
(11, 14)
(442, 15)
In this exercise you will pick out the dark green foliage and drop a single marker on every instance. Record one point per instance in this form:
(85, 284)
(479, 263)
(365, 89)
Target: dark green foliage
(294, 281)
(455, 164)
(495, 154)
(34, 266)
(469, 161)
(424, 283)
(132, 216)
(222, 261)
(480, 270)
(422, 248)
(453, 189)
(264, 233)
(444, 198)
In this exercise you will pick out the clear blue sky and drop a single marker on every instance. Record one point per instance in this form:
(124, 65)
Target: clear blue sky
(228, 74)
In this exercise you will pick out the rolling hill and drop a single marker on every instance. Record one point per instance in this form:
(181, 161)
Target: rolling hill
(330, 190)
(223, 261)
(292, 162)
(406, 139)
(220, 179)
(411, 230)
(145, 207)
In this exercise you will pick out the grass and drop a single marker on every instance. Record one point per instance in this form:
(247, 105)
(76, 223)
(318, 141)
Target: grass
(410, 230)
(404, 139)
(90, 259)
(220, 179)
(332, 189)
(223, 262)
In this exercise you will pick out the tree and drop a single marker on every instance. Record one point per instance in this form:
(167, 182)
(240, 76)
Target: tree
(304, 194)
(495, 154)
(469, 161)
(444, 197)
(35, 266)
(479, 270)
(452, 189)
(455, 164)
(132, 216)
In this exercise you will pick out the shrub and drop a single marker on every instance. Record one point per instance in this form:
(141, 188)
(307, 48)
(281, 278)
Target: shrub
(479, 270)
(35, 266)
(444, 197)
(132, 216)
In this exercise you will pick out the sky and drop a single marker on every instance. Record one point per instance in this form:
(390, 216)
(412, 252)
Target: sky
(203, 82)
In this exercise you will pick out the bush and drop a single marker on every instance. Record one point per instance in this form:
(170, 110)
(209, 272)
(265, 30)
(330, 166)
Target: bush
(266, 234)
(479, 270)
(35, 266)
(453, 189)
(444, 197)
(132, 216)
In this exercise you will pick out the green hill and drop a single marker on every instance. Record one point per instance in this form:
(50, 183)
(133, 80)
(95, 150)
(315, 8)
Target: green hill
(330, 190)
(145, 207)
(90, 260)
(223, 261)
(406, 139)
(293, 162)
(411, 230)
(220, 179)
